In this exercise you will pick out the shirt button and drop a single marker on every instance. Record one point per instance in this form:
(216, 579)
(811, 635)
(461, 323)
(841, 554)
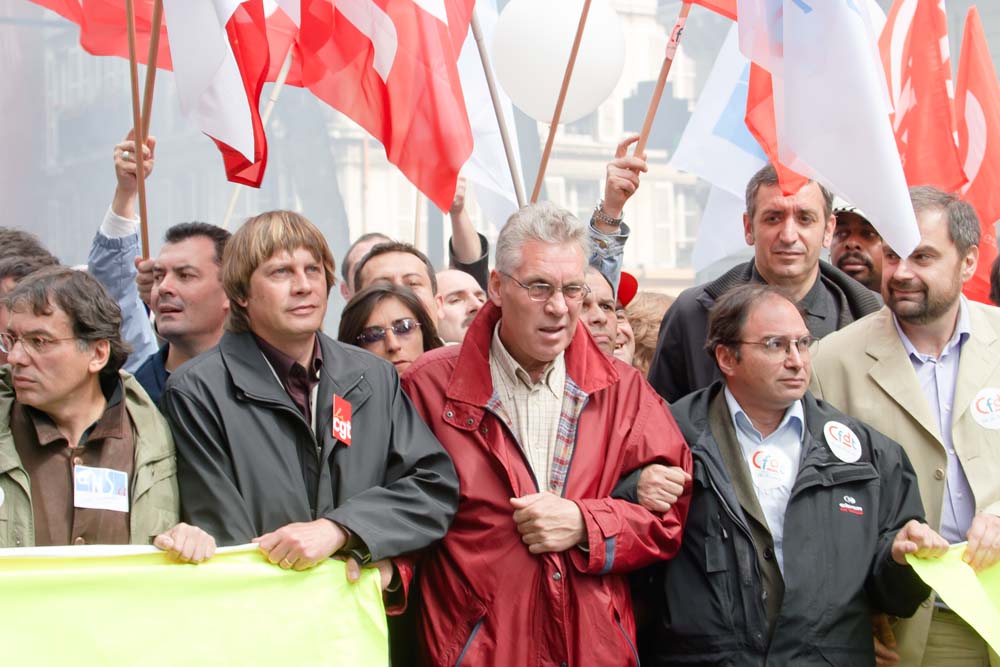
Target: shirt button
(79, 540)
(768, 553)
(77, 461)
(557, 576)
(939, 474)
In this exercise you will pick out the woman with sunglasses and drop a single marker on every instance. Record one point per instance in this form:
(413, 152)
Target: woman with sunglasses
(389, 321)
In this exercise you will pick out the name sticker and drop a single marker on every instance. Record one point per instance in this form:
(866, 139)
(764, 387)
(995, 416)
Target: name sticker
(100, 489)
(342, 420)
(842, 441)
(770, 468)
(985, 408)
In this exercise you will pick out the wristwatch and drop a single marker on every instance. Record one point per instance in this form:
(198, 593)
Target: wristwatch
(601, 216)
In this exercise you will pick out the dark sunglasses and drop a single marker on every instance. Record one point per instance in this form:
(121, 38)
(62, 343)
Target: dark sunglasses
(401, 327)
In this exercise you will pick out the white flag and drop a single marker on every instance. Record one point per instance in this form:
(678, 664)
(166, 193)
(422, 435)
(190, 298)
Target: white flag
(717, 147)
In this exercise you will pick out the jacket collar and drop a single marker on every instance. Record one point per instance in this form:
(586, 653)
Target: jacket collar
(342, 372)
(589, 367)
(857, 299)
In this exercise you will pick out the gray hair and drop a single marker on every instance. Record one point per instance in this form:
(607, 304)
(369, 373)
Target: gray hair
(544, 222)
(963, 223)
(768, 175)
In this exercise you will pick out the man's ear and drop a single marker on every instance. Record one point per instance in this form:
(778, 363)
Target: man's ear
(99, 356)
(727, 360)
(831, 224)
(747, 229)
(494, 289)
(969, 264)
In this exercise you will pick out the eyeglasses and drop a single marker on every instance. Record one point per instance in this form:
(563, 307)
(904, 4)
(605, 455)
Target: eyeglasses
(545, 291)
(401, 327)
(776, 346)
(32, 344)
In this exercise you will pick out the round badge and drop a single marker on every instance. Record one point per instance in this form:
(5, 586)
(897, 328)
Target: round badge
(770, 468)
(842, 441)
(985, 408)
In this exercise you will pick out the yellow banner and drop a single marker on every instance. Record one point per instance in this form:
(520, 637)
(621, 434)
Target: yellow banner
(974, 597)
(109, 607)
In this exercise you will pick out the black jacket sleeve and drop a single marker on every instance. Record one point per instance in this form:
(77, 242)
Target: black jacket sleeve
(415, 505)
(480, 268)
(210, 498)
(893, 588)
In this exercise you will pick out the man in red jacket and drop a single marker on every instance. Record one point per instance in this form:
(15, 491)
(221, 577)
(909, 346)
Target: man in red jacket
(541, 425)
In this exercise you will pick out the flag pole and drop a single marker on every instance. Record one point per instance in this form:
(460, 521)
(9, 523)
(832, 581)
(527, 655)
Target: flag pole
(154, 52)
(418, 227)
(484, 56)
(654, 102)
(560, 101)
(272, 99)
(139, 135)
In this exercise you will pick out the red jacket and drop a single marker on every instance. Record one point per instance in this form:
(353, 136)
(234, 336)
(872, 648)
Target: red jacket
(486, 600)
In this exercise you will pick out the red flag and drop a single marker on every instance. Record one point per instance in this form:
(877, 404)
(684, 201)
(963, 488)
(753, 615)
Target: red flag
(725, 7)
(760, 121)
(104, 31)
(914, 50)
(391, 66)
(68, 9)
(977, 105)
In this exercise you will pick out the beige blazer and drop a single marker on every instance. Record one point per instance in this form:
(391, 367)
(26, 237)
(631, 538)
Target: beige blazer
(864, 370)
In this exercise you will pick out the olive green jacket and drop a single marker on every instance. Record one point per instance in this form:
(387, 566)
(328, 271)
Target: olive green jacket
(154, 501)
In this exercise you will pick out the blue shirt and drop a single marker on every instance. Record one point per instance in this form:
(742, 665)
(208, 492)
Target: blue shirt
(773, 463)
(938, 377)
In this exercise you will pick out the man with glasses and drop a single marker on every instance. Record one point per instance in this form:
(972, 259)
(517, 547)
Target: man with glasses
(540, 424)
(85, 457)
(801, 516)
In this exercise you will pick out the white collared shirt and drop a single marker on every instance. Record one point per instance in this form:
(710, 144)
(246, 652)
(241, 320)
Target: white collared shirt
(773, 463)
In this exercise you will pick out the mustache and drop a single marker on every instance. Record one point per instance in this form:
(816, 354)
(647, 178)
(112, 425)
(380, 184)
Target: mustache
(907, 285)
(858, 257)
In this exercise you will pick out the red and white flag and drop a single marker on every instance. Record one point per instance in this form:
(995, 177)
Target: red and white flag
(977, 104)
(390, 65)
(915, 55)
(221, 58)
(725, 7)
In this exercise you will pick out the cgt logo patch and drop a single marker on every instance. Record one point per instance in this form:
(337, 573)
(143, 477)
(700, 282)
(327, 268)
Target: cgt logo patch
(851, 506)
(342, 420)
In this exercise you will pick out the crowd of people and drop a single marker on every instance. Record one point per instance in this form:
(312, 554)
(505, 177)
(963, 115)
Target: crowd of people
(488, 440)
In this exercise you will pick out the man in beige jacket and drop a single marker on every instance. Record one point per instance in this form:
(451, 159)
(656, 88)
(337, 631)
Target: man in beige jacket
(925, 370)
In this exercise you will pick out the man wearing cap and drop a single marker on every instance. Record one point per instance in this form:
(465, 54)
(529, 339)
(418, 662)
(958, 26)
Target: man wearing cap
(787, 234)
(856, 248)
(801, 516)
(925, 370)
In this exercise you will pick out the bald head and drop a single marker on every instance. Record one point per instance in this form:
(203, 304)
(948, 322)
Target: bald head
(459, 298)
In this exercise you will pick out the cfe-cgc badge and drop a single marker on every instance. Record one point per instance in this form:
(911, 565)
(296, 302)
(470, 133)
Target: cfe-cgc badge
(985, 408)
(842, 441)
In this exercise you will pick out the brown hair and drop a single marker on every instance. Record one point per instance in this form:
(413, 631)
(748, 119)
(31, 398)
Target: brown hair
(357, 311)
(93, 314)
(644, 313)
(257, 241)
(728, 316)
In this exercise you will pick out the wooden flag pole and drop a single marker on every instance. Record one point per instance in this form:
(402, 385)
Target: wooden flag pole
(140, 138)
(484, 56)
(272, 99)
(154, 53)
(418, 226)
(654, 103)
(559, 103)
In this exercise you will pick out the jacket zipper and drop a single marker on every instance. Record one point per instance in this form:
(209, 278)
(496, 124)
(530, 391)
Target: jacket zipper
(631, 646)
(468, 642)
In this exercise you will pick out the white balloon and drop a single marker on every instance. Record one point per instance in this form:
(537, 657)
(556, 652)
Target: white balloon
(531, 49)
